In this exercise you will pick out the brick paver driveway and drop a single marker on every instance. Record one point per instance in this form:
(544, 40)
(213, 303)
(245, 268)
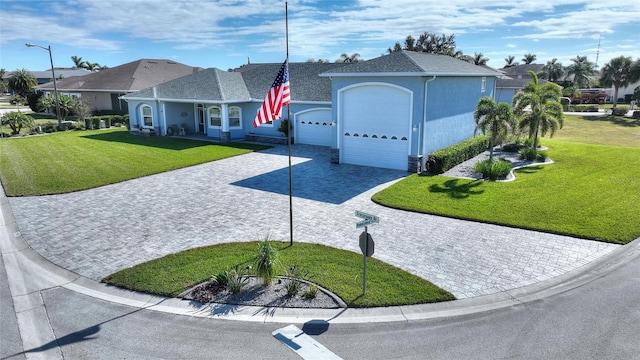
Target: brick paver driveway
(100, 231)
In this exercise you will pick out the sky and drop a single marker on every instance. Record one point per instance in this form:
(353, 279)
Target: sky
(229, 33)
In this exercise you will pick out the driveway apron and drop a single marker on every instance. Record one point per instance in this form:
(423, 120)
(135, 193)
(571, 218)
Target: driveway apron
(100, 231)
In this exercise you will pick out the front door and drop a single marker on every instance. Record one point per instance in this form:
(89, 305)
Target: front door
(200, 115)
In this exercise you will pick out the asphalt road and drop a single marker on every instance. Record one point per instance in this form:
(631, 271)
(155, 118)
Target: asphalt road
(598, 319)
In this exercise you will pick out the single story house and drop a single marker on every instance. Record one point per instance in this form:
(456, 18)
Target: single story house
(103, 88)
(385, 112)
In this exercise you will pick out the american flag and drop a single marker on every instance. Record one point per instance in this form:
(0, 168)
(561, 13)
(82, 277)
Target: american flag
(277, 97)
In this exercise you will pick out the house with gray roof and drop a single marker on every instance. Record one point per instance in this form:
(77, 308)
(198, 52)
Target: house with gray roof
(386, 112)
(103, 88)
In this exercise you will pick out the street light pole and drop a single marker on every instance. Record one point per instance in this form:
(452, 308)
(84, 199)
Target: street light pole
(55, 85)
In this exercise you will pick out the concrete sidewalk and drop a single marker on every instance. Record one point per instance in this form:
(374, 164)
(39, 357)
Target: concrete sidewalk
(74, 240)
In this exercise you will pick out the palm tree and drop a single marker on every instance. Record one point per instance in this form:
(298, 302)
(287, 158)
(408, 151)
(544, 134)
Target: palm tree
(346, 58)
(510, 61)
(529, 58)
(619, 73)
(552, 71)
(479, 59)
(22, 81)
(78, 63)
(92, 66)
(3, 85)
(497, 119)
(538, 108)
(581, 69)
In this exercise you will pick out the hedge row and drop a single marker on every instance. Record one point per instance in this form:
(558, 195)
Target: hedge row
(93, 122)
(581, 108)
(445, 159)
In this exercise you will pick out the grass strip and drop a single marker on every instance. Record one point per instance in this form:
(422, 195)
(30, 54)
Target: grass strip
(339, 271)
(78, 160)
(591, 191)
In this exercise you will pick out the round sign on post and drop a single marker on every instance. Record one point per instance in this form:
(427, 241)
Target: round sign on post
(366, 244)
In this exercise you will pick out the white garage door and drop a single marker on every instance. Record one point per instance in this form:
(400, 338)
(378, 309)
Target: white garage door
(313, 127)
(374, 128)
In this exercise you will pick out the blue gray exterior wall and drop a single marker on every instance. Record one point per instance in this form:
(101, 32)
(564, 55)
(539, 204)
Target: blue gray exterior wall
(505, 95)
(177, 113)
(451, 102)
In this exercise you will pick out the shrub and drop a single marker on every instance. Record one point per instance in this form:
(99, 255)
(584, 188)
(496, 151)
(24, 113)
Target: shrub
(493, 169)
(18, 100)
(293, 283)
(221, 279)
(583, 108)
(266, 261)
(311, 293)
(236, 280)
(619, 111)
(542, 156)
(445, 159)
(528, 153)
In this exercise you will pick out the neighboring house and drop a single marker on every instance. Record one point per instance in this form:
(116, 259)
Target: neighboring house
(514, 79)
(522, 71)
(45, 76)
(386, 112)
(103, 88)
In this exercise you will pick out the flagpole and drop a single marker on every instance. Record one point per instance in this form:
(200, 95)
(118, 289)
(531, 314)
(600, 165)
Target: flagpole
(286, 36)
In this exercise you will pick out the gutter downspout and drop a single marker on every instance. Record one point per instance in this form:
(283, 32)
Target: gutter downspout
(421, 145)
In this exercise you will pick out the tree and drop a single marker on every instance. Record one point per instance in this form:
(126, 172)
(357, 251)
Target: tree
(427, 42)
(618, 72)
(67, 105)
(346, 58)
(78, 63)
(22, 82)
(479, 59)
(552, 71)
(529, 58)
(312, 60)
(581, 69)
(496, 119)
(538, 108)
(3, 85)
(17, 121)
(510, 61)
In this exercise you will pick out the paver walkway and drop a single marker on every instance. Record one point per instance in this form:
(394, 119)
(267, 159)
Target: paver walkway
(97, 232)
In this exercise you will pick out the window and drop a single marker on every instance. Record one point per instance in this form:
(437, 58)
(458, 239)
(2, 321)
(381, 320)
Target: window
(215, 116)
(147, 115)
(483, 85)
(234, 117)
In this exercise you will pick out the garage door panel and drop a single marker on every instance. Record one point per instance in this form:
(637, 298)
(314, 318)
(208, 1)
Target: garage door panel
(386, 153)
(314, 127)
(375, 126)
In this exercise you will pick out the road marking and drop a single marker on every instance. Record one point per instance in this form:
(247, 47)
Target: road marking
(303, 344)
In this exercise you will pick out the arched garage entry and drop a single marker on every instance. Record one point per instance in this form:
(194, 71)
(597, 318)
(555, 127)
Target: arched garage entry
(374, 125)
(313, 127)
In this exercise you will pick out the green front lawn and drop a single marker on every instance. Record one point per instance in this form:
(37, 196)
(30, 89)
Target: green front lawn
(591, 191)
(339, 271)
(77, 160)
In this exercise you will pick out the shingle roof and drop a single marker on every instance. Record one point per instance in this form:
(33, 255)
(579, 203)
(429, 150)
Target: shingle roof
(209, 84)
(508, 83)
(305, 83)
(132, 76)
(248, 82)
(522, 69)
(410, 63)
